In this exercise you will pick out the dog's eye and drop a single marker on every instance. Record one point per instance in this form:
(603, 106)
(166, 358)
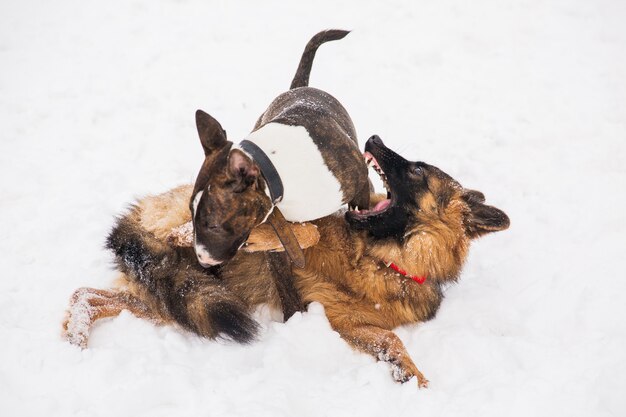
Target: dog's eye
(417, 171)
(211, 227)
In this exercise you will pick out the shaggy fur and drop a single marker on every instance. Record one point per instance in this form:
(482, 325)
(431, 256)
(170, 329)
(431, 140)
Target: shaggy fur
(345, 272)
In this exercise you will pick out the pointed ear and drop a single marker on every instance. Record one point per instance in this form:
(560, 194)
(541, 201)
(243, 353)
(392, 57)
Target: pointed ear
(212, 136)
(242, 168)
(473, 196)
(482, 218)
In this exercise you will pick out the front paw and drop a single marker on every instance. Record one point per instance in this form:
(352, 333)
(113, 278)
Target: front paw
(422, 382)
(403, 369)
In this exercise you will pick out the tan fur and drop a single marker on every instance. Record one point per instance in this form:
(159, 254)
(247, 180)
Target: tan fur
(363, 299)
(163, 212)
(263, 237)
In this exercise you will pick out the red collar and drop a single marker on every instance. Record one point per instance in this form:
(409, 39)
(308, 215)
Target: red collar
(419, 279)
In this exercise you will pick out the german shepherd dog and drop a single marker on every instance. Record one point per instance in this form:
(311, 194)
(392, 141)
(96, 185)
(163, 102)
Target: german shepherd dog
(372, 271)
(302, 160)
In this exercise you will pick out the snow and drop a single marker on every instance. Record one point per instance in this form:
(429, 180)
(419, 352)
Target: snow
(524, 100)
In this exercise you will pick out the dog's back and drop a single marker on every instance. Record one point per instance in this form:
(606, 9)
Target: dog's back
(305, 105)
(302, 105)
(311, 139)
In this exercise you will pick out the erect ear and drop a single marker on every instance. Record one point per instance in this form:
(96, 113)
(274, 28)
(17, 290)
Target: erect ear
(242, 168)
(473, 196)
(482, 218)
(212, 136)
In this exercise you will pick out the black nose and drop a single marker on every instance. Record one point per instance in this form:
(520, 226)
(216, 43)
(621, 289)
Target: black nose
(375, 139)
(374, 143)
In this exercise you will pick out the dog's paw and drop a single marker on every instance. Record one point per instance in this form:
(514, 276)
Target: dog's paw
(403, 369)
(79, 317)
(422, 382)
(403, 374)
(73, 335)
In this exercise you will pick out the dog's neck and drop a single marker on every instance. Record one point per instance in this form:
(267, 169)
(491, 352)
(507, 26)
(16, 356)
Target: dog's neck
(423, 255)
(271, 176)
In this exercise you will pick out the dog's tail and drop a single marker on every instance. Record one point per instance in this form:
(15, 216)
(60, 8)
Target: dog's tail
(301, 79)
(195, 299)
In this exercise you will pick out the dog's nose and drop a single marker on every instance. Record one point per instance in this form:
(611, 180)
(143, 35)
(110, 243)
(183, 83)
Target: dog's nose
(375, 139)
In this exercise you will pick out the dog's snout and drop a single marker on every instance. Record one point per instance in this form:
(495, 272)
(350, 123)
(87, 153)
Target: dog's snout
(207, 262)
(204, 257)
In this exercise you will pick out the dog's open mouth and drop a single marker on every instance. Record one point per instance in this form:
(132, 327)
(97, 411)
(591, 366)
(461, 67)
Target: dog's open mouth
(382, 205)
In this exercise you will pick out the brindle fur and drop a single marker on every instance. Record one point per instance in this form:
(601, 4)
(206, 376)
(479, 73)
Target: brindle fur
(236, 200)
(363, 299)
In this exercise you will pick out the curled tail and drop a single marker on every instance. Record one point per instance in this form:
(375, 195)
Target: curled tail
(301, 79)
(192, 297)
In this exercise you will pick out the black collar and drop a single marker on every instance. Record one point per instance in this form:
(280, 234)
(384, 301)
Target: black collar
(272, 178)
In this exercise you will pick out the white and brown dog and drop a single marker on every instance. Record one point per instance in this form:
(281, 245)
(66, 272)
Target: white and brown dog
(301, 162)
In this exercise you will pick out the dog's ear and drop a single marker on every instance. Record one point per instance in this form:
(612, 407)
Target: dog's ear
(212, 136)
(473, 196)
(482, 219)
(243, 169)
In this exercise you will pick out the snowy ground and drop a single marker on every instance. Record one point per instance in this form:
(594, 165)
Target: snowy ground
(524, 100)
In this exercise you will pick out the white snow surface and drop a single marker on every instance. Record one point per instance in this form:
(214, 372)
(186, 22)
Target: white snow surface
(524, 100)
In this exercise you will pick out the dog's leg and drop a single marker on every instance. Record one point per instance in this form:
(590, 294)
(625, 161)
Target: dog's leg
(283, 279)
(359, 325)
(89, 304)
(384, 345)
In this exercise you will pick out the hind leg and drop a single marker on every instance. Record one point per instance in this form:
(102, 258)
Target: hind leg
(89, 304)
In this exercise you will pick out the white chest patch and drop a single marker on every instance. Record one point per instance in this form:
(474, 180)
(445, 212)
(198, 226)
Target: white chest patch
(311, 191)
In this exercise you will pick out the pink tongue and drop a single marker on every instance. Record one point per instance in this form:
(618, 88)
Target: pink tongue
(382, 205)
